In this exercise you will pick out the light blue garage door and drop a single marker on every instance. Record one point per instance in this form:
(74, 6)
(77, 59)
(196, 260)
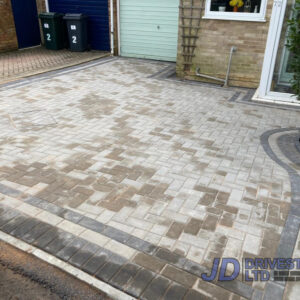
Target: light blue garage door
(149, 29)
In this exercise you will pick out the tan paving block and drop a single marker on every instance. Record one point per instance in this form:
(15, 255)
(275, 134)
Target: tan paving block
(49, 218)
(71, 227)
(94, 237)
(149, 262)
(182, 277)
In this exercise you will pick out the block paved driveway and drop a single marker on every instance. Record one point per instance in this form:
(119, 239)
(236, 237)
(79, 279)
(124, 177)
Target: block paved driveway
(142, 181)
(27, 62)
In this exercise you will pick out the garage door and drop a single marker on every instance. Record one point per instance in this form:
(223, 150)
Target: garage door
(26, 23)
(149, 29)
(98, 24)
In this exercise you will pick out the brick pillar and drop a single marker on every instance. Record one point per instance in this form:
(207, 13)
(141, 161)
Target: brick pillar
(41, 7)
(8, 36)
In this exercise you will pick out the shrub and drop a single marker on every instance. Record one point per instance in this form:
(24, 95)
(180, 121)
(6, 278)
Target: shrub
(293, 44)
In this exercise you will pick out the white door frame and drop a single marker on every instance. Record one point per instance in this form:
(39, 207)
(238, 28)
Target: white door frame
(275, 28)
(118, 21)
(47, 5)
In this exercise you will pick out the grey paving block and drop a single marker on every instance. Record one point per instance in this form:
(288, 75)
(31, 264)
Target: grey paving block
(194, 268)
(80, 257)
(34, 201)
(46, 238)
(62, 240)
(295, 207)
(116, 234)
(178, 275)
(237, 287)
(21, 230)
(95, 262)
(138, 284)
(9, 191)
(14, 223)
(234, 97)
(156, 289)
(2, 210)
(7, 215)
(35, 232)
(175, 292)
(111, 267)
(67, 252)
(288, 237)
(257, 295)
(273, 291)
(71, 216)
(124, 275)
(194, 295)
(92, 224)
(50, 207)
(141, 245)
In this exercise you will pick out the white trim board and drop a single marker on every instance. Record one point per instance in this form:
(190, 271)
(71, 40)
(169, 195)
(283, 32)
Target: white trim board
(236, 16)
(278, 100)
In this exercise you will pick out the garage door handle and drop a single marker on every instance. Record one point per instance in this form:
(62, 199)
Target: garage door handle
(158, 27)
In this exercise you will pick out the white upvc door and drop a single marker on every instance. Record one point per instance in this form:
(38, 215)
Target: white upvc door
(275, 31)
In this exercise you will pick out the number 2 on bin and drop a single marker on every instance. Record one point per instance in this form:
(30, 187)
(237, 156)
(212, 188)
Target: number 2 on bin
(74, 39)
(49, 37)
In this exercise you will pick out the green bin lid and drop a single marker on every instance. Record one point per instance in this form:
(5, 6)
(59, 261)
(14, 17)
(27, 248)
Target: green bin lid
(50, 15)
(75, 16)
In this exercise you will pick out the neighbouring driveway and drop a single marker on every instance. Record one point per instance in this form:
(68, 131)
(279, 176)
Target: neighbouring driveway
(142, 180)
(27, 62)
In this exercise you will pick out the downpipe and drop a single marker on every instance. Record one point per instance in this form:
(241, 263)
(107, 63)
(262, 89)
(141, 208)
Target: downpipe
(112, 27)
(225, 81)
(47, 5)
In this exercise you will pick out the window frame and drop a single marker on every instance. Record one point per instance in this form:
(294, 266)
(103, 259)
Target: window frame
(236, 16)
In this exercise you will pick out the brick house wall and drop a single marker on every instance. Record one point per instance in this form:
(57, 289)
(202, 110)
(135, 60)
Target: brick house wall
(8, 38)
(216, 37)
(41, 6)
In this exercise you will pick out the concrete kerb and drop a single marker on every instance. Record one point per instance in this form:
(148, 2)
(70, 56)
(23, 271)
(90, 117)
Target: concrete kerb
(52, 260)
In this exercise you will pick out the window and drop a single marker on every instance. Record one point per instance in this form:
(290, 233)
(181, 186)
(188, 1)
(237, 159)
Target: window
(241, 10)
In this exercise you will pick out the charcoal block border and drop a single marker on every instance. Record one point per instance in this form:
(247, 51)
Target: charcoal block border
(291, 228)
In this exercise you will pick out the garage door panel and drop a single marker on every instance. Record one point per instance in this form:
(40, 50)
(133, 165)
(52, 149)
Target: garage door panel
(150, 32)
(149, 28)
(130, 39)
(150, 10)
(161, 47)
(140, 21)
(146, 3)
(147, 55)
(151, 16)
